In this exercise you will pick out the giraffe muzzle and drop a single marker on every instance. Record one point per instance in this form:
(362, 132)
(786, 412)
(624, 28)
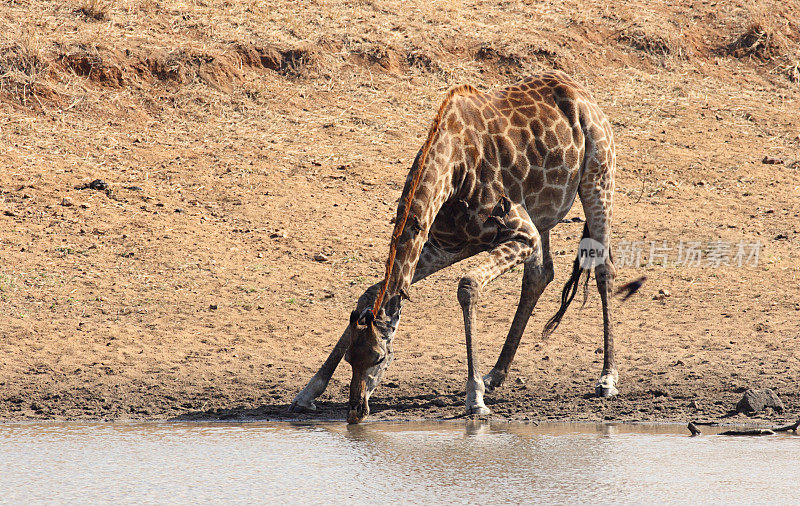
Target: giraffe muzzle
(358, 407)
(357, 414)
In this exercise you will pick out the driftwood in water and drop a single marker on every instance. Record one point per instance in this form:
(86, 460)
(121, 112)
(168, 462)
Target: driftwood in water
(786, 428)
(747, 432)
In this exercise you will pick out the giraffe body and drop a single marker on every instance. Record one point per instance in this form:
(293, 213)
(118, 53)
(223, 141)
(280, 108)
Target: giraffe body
(496, 173)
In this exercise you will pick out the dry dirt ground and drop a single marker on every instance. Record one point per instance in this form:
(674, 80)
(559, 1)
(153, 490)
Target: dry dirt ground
(240, 140)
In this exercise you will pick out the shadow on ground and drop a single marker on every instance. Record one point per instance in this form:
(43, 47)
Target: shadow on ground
(325, 410)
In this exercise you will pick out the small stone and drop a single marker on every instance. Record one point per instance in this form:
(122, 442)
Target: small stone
(771, 160)
(321, 257)
(134, 188)
(662, 294)
(98, 184)
(9, 213)
(212, 307)
(755, 400)
(66, 202)
(278, 234)
(520, 380)
(178, 210)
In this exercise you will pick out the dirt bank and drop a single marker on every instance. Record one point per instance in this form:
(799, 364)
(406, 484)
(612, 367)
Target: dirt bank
(241, 142)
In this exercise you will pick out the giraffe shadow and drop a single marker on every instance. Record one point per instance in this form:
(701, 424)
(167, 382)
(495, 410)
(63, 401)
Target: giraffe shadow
(326, 410)
(278, 412)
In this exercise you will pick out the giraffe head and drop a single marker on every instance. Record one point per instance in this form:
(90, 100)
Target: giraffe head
(369, 354)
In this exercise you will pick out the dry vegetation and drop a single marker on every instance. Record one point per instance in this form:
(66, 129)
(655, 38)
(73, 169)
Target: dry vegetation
(241, 139)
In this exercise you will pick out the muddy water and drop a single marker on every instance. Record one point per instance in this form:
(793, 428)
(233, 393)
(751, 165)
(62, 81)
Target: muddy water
(387, 462)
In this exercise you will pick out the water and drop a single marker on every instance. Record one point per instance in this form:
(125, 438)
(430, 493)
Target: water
(390, 462)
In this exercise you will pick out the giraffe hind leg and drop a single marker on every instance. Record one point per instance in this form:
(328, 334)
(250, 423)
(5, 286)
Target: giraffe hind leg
(596, 197)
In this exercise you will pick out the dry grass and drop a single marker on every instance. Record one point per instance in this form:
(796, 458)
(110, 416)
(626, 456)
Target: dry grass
(652, 42)
(98, 10)
(23, 69)
(218, 43)
(771, 35)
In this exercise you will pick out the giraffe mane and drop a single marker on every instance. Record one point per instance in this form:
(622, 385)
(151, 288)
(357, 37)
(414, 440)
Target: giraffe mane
(463, 90)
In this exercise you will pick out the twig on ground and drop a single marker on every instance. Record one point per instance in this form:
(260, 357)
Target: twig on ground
(693, 429)
(786, 428)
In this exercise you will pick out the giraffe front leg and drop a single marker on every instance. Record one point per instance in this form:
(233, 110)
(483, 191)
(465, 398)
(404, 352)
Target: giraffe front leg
(501, 259)
(304, 400)
(468, 289)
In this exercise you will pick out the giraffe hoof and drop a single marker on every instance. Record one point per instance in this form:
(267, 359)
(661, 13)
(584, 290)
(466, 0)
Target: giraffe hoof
(605, 392)
(606, 387)
(493, 380)
(479, 410)
(296, 407)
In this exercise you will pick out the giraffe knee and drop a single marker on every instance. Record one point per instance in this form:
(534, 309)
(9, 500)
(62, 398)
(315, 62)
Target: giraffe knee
(467, 291)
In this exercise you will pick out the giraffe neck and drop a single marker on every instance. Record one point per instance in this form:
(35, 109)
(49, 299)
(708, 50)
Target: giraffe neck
(425, 192)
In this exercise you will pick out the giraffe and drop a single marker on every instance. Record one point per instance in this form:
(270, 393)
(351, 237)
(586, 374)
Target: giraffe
(497, 171)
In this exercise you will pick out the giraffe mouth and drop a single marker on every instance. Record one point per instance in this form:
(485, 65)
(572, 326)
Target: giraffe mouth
(358, 410)
(357, 414)
(358, 407)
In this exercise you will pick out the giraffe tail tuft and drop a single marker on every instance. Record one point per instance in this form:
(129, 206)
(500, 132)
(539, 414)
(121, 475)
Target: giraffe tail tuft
(569, 291)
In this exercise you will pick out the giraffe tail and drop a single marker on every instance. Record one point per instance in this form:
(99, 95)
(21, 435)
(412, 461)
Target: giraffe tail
(569, 291)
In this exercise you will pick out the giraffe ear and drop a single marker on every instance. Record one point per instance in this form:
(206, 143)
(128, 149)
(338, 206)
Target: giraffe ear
(366, 317)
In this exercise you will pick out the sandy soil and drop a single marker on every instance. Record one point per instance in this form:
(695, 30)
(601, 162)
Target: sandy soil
(240, 141)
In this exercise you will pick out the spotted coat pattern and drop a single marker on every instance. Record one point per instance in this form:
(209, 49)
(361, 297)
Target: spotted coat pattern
(497, 171)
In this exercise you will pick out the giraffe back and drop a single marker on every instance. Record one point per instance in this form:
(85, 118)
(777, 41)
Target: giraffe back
(532, 142)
